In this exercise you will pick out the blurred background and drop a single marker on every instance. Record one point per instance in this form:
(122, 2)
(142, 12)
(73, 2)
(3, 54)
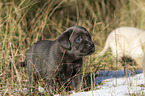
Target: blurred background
(24, 22)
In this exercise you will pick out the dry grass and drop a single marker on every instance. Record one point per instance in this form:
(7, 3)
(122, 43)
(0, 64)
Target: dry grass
(23, 22)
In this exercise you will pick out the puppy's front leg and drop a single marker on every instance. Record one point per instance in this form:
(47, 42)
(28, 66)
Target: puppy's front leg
(77, 82)
(77, 76)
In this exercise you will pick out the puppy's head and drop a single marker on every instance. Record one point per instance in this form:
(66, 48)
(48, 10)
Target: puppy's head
(77, 40)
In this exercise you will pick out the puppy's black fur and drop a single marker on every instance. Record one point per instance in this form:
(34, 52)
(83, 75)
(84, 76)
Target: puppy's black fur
(60, 60)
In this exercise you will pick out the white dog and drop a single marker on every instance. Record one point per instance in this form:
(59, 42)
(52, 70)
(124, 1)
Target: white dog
(126, 41)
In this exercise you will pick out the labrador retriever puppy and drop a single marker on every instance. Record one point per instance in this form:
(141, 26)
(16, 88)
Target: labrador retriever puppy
(128, 42)
(60, 60)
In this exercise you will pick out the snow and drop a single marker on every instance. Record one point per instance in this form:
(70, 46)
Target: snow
(114, 83)
(111, 83)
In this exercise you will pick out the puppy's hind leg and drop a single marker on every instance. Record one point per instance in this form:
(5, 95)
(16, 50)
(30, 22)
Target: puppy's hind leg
(51, 86)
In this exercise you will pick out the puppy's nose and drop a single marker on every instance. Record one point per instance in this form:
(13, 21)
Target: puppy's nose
(90, 45)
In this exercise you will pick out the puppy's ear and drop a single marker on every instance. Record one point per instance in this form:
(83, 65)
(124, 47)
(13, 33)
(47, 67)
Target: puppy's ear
(64, 41)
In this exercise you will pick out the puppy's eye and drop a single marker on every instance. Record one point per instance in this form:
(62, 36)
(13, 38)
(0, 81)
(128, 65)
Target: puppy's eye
(78, 39)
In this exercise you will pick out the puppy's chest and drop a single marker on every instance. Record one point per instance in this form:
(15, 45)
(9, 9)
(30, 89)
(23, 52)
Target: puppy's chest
(68, 69)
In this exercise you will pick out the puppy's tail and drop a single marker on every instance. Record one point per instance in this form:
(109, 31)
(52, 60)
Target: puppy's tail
(105, 49)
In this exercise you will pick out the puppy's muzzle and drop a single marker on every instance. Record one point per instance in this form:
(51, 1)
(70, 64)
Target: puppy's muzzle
(88, 49)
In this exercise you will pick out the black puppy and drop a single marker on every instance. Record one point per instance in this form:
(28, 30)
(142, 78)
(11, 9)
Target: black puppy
(60, 60)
